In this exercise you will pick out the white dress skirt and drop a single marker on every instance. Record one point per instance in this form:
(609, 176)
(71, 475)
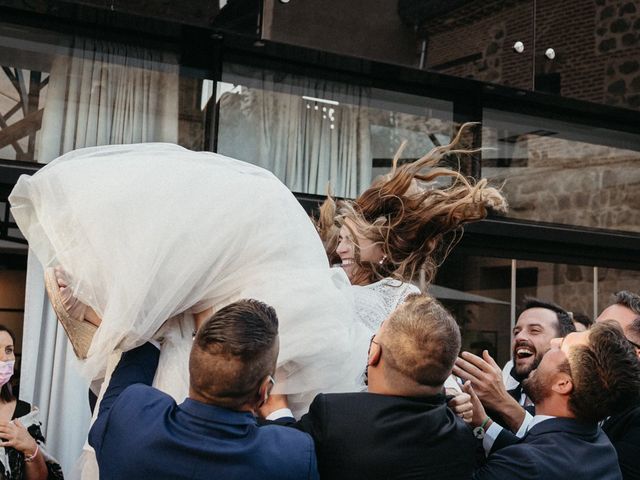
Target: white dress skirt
(150, 231)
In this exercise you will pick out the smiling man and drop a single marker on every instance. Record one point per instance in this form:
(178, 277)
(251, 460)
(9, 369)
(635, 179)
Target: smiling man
(580, 380)
(537, 325)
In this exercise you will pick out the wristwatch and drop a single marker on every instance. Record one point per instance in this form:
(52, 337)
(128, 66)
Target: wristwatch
(479, 432)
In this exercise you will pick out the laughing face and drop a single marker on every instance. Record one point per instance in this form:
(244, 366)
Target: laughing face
(539, 384)
(532, 338)
(354, 248)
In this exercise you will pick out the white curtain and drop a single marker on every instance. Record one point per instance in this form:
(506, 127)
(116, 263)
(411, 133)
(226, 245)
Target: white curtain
(103, 93)
(99, 93)
(307, 144)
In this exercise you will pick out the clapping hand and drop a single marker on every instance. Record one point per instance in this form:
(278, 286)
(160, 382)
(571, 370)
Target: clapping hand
(15, 435)
(485, 376)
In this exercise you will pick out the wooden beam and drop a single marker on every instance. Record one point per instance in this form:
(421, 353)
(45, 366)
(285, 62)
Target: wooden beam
(14, 132)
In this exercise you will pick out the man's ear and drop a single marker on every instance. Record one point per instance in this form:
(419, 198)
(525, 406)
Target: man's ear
(265, 389)
(562, 383)
(374, 355)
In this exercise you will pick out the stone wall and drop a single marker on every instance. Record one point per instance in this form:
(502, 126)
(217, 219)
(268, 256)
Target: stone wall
(600, 190)
(596, 42)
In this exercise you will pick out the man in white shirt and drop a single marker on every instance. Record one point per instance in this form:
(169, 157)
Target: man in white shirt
(537, 325)
(577, 384)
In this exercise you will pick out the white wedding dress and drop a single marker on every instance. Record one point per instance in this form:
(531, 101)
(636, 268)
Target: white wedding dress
(149, 231)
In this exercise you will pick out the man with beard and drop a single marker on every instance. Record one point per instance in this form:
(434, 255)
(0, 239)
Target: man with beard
(623, 428)
(537, 325)
(577, 383)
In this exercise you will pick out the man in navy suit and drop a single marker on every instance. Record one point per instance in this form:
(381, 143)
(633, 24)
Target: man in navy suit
(141, 433)
(580, 380)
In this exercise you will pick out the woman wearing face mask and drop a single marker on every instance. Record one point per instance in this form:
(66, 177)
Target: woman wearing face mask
(21, 452)
(406, 222)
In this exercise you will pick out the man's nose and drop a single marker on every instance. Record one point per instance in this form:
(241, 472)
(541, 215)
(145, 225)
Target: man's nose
(521, 335)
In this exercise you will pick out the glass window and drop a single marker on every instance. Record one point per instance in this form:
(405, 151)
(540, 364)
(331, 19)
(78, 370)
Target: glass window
(563, 173)
(59, 93)
(477, 291)
(311, 133)
(612, 280)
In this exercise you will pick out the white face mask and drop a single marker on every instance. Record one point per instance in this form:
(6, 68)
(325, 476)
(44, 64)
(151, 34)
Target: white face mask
(6, 371)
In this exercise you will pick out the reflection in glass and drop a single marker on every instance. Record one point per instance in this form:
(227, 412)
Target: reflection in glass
(477, 291)
(563, 173)
(312, 133)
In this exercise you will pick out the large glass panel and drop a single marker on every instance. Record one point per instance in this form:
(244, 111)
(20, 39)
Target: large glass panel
(59, 93)
(565, 173)
(313, 133)
(570, 286)
(466, 38)
(477, 291)
(610, 281)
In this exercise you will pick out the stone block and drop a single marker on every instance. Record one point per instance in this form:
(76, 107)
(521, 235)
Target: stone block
(607, 45)
(629, 66)
(607, 12)
(619, 87)
(629, 39)
(629, 7)
(620, 26)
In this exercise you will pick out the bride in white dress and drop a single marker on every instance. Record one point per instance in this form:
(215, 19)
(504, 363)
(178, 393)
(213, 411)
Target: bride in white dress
(150, 231)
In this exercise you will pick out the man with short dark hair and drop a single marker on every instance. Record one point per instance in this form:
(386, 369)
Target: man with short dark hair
(623, 427)
(140, 432)
(538, 323)
(401, 427)
(579, 381)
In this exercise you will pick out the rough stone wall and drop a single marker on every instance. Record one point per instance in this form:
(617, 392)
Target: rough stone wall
(490, 36)
(575, 183)
(596, 42)
(618, 38)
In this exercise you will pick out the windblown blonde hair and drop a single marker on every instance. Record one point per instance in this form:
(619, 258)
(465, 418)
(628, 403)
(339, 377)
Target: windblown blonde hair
(415, 222)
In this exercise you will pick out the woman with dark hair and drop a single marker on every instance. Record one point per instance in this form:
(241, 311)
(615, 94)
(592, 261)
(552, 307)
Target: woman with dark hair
(21, 452)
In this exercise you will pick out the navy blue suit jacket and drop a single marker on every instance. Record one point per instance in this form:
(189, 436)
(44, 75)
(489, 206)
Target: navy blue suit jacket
(623, 429)
(141, 433)
(558, 448)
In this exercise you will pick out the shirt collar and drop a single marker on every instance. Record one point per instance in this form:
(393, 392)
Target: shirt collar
(219, 414)
(538, 419)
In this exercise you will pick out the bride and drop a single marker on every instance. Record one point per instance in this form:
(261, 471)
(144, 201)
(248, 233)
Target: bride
(153, 231)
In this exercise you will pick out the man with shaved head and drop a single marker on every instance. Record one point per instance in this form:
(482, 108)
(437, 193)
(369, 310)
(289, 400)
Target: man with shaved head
(401, 427)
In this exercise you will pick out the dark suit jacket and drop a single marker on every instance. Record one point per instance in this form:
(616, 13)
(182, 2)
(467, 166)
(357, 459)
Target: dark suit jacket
(369, 436)
(141, 433)
(624, 432)
(555, 449)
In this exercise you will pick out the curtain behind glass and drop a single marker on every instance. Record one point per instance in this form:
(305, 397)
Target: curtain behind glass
(270, 124)
(104, 93)
(99, 93)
